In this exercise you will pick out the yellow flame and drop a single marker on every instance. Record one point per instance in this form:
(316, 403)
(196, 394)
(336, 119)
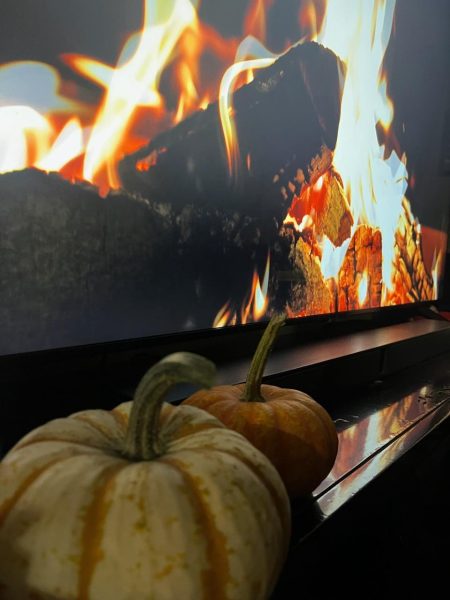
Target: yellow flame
(133, 83)
(224, 317)
(188, 95)
(204, 103)
(20, 125)
(435, 273)
(67, 146)
(374, 185)
(261, 299)
(363, 288)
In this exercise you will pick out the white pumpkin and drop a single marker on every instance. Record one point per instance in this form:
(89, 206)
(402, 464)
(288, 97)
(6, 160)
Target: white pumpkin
(141, 502)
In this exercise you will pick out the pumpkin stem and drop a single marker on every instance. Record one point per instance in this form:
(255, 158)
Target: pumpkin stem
(252, 391)
(143, 441)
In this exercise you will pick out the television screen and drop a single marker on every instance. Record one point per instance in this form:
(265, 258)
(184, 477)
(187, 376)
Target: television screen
(174, 165)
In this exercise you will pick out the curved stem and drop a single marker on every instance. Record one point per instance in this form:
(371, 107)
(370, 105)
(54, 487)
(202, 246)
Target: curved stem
(143, 441)
(252, 391)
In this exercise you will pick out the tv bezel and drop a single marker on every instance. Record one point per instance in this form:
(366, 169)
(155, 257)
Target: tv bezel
(219, 344)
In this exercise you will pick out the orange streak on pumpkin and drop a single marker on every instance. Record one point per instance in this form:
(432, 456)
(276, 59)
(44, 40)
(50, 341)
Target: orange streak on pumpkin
(120, 419)
(217, 575)
(276, 498)
(92, 536)
(9, 504)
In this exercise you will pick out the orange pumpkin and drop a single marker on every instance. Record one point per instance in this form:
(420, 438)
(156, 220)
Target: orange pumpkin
(288, 426)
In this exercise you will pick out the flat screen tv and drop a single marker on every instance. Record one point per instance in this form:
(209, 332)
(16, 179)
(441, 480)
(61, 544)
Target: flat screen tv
(173, 165)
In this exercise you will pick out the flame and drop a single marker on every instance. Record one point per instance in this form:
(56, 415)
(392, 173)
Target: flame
(307, 19)
(132, 84)
(224, 317)
(254, 308)
(435, 272)
(258, 301)
(67, 146)
(255, 22)
(374, 185)
(132, 109)
(363, 288)
(21, 129)
(171, 33)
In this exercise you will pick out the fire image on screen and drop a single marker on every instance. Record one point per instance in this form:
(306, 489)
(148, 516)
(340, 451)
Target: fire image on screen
(179, 165)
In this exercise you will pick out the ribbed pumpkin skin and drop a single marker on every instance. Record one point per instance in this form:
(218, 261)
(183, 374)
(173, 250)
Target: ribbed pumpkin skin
(210, 519)
(290, 428)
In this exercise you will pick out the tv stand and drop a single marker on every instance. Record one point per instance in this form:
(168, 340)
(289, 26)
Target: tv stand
(381, 515)
(387, 389)
(351, 359)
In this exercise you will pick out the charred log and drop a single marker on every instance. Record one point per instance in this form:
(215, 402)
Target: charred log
(77, 268)
(286, 121)
(74, 266)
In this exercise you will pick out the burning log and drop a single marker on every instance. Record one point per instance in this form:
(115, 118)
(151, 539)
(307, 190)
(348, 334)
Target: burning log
(309, 293)
(360, 276)
(286, 121)
(412, 283)
(334, 219)
(326, 204)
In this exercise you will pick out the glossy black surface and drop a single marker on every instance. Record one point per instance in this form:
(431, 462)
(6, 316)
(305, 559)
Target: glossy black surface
(376, 425)
(390, 541)
(302, 356)
(382, 428)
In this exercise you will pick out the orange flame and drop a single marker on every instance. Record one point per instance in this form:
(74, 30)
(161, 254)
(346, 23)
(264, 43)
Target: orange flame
(171, 34)
(308, 19)
(134, 83)
(253, 309)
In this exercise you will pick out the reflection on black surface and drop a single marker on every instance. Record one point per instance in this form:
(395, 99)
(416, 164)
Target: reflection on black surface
(395, 422)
